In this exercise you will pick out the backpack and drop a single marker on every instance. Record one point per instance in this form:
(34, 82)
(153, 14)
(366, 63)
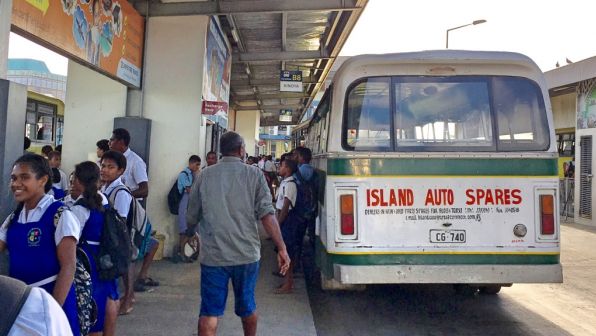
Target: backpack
(113, 259)
(86, 305)
(138, 225)
(306, 199)
(174, 196)
(13, 297)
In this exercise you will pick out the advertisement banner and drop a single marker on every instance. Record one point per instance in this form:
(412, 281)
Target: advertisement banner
(105, 34)
(586, 118)
(215, 108)
(217, 67)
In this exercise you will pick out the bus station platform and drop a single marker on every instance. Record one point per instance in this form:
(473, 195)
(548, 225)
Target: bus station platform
(173, 307)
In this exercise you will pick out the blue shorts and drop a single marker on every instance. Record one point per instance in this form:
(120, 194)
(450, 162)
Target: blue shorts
(214, 289)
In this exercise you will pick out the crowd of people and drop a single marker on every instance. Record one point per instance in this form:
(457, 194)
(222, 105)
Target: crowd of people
(57, 217)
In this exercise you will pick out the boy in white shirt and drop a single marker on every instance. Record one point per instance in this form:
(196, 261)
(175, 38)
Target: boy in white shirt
(287, 218)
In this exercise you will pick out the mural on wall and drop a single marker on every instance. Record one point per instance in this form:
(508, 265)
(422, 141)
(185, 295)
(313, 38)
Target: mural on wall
(586, 116)
(105, 34)
(216, 71)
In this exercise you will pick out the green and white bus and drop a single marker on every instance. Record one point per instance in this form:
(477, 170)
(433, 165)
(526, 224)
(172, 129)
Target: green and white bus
(439, 167)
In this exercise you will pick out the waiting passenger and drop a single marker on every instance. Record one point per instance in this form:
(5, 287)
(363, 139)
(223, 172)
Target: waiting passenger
(102, 147)
(89, 210)
(45, 150)
(59, 179)
(41, 235)
(185, 180)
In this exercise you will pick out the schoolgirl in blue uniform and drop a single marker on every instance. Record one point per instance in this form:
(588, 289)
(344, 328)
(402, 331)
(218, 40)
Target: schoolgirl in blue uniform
(89, 210)
(42, 252)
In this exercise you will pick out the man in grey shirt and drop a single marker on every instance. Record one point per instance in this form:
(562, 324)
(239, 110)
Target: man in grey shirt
(229, 197)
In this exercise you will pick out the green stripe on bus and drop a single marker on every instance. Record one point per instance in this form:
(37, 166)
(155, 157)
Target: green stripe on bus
(443, 166)
(325, 261)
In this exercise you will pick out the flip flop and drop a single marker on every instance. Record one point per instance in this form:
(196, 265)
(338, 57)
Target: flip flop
(126, 312)
(148, 282)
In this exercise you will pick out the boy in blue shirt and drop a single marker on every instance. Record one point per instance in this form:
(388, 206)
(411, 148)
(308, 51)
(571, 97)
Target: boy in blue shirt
(185, 180)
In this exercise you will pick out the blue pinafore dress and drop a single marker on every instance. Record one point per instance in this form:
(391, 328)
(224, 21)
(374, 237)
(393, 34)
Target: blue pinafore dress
(102, 289)
(33, 258)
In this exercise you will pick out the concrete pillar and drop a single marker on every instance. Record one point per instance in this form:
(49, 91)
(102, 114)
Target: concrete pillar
(5, 19)
(92, 102)
(172, 88)
(134, 103)
(13, 103)
(247, 125)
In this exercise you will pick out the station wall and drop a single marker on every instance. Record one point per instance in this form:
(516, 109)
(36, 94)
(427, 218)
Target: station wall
(247, 125)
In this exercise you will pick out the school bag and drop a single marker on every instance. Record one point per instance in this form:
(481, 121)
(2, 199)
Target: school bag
(306, 198)
(86, 305)
(138, 225)
(13, 295)
(114, 255)
(174, 196)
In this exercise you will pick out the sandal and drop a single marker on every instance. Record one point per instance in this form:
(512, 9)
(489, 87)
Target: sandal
(139, 287)
(148, 282)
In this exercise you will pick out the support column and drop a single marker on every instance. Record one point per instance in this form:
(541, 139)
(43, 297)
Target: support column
(247, 125)
(13, 103)
(5, 19)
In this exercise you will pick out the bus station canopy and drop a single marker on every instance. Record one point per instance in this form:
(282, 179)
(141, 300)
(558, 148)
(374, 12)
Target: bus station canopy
(268, 36)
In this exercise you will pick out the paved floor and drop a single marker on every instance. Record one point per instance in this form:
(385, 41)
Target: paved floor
(172, 309)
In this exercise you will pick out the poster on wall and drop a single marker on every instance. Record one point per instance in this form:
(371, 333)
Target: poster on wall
(217, 69)
(586, 118)
(105, 34)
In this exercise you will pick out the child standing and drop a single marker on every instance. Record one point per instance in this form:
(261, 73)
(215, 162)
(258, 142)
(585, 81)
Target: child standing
(59, 179)
(185, 179)
(41, 235)
(89, 210)
(113, 164)
(286, 216)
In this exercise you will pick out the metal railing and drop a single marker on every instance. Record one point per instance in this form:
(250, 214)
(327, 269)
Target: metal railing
(566, 197)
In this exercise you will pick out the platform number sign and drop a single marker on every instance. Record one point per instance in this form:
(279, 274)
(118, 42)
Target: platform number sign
(290, 81)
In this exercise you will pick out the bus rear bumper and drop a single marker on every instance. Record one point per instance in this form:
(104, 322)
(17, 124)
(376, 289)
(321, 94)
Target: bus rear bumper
(448, 274)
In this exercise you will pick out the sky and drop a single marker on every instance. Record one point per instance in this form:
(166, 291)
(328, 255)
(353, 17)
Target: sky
(546, 31)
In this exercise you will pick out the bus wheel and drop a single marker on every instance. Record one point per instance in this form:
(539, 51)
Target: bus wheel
(490, 290)
(465, 290)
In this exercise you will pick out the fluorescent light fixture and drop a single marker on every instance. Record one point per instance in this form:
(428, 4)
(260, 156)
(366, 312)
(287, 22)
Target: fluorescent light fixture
(247, 69)
(235, 35)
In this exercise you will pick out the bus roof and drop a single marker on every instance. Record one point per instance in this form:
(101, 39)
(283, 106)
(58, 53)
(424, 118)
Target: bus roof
(451, 60)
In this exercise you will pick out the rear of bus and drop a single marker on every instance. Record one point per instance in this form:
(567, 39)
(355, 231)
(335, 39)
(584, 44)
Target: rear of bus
(441, 167)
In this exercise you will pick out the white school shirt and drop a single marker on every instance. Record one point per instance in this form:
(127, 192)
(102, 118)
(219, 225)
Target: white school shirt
(82, 213)
(68, 225)
(135, 172)
(122, 200)
(269, 166)
(287, 189)
(41, 315)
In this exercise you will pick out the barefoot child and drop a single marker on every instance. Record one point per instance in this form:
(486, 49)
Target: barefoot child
(286, 216)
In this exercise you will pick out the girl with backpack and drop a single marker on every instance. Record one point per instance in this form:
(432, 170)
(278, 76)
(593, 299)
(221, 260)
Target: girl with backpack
(89, 210)
(41, 235)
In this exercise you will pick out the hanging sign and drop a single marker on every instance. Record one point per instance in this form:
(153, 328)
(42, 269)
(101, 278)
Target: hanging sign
(285, 115)
(290, 81)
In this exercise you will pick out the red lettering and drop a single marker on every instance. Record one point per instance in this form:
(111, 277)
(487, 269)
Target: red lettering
(515, 194)
(367, 197)
(489, 198)
(375, 196)
(392, 198)
(429, 198)
(470, 195)
(409, 197)
(507, 196)
(383, 202)
(499, 197)
(450, 197)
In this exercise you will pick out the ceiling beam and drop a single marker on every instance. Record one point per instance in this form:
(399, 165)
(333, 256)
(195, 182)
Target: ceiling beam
(284, 29)
(268, 107)
(156, 8)
(281, 95)
(278, 56)
(265, 81)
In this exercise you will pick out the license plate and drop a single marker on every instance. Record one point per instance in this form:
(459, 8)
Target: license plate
(447, 236)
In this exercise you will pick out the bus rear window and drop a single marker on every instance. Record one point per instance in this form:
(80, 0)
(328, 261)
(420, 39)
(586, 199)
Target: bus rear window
(457, 113)
(368, 116)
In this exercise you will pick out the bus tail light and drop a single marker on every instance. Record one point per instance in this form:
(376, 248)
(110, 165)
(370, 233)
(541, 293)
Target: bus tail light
(547, 215)
(347, 227)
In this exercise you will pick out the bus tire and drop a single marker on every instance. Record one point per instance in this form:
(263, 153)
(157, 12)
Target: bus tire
(465, 290)
(490, 290)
